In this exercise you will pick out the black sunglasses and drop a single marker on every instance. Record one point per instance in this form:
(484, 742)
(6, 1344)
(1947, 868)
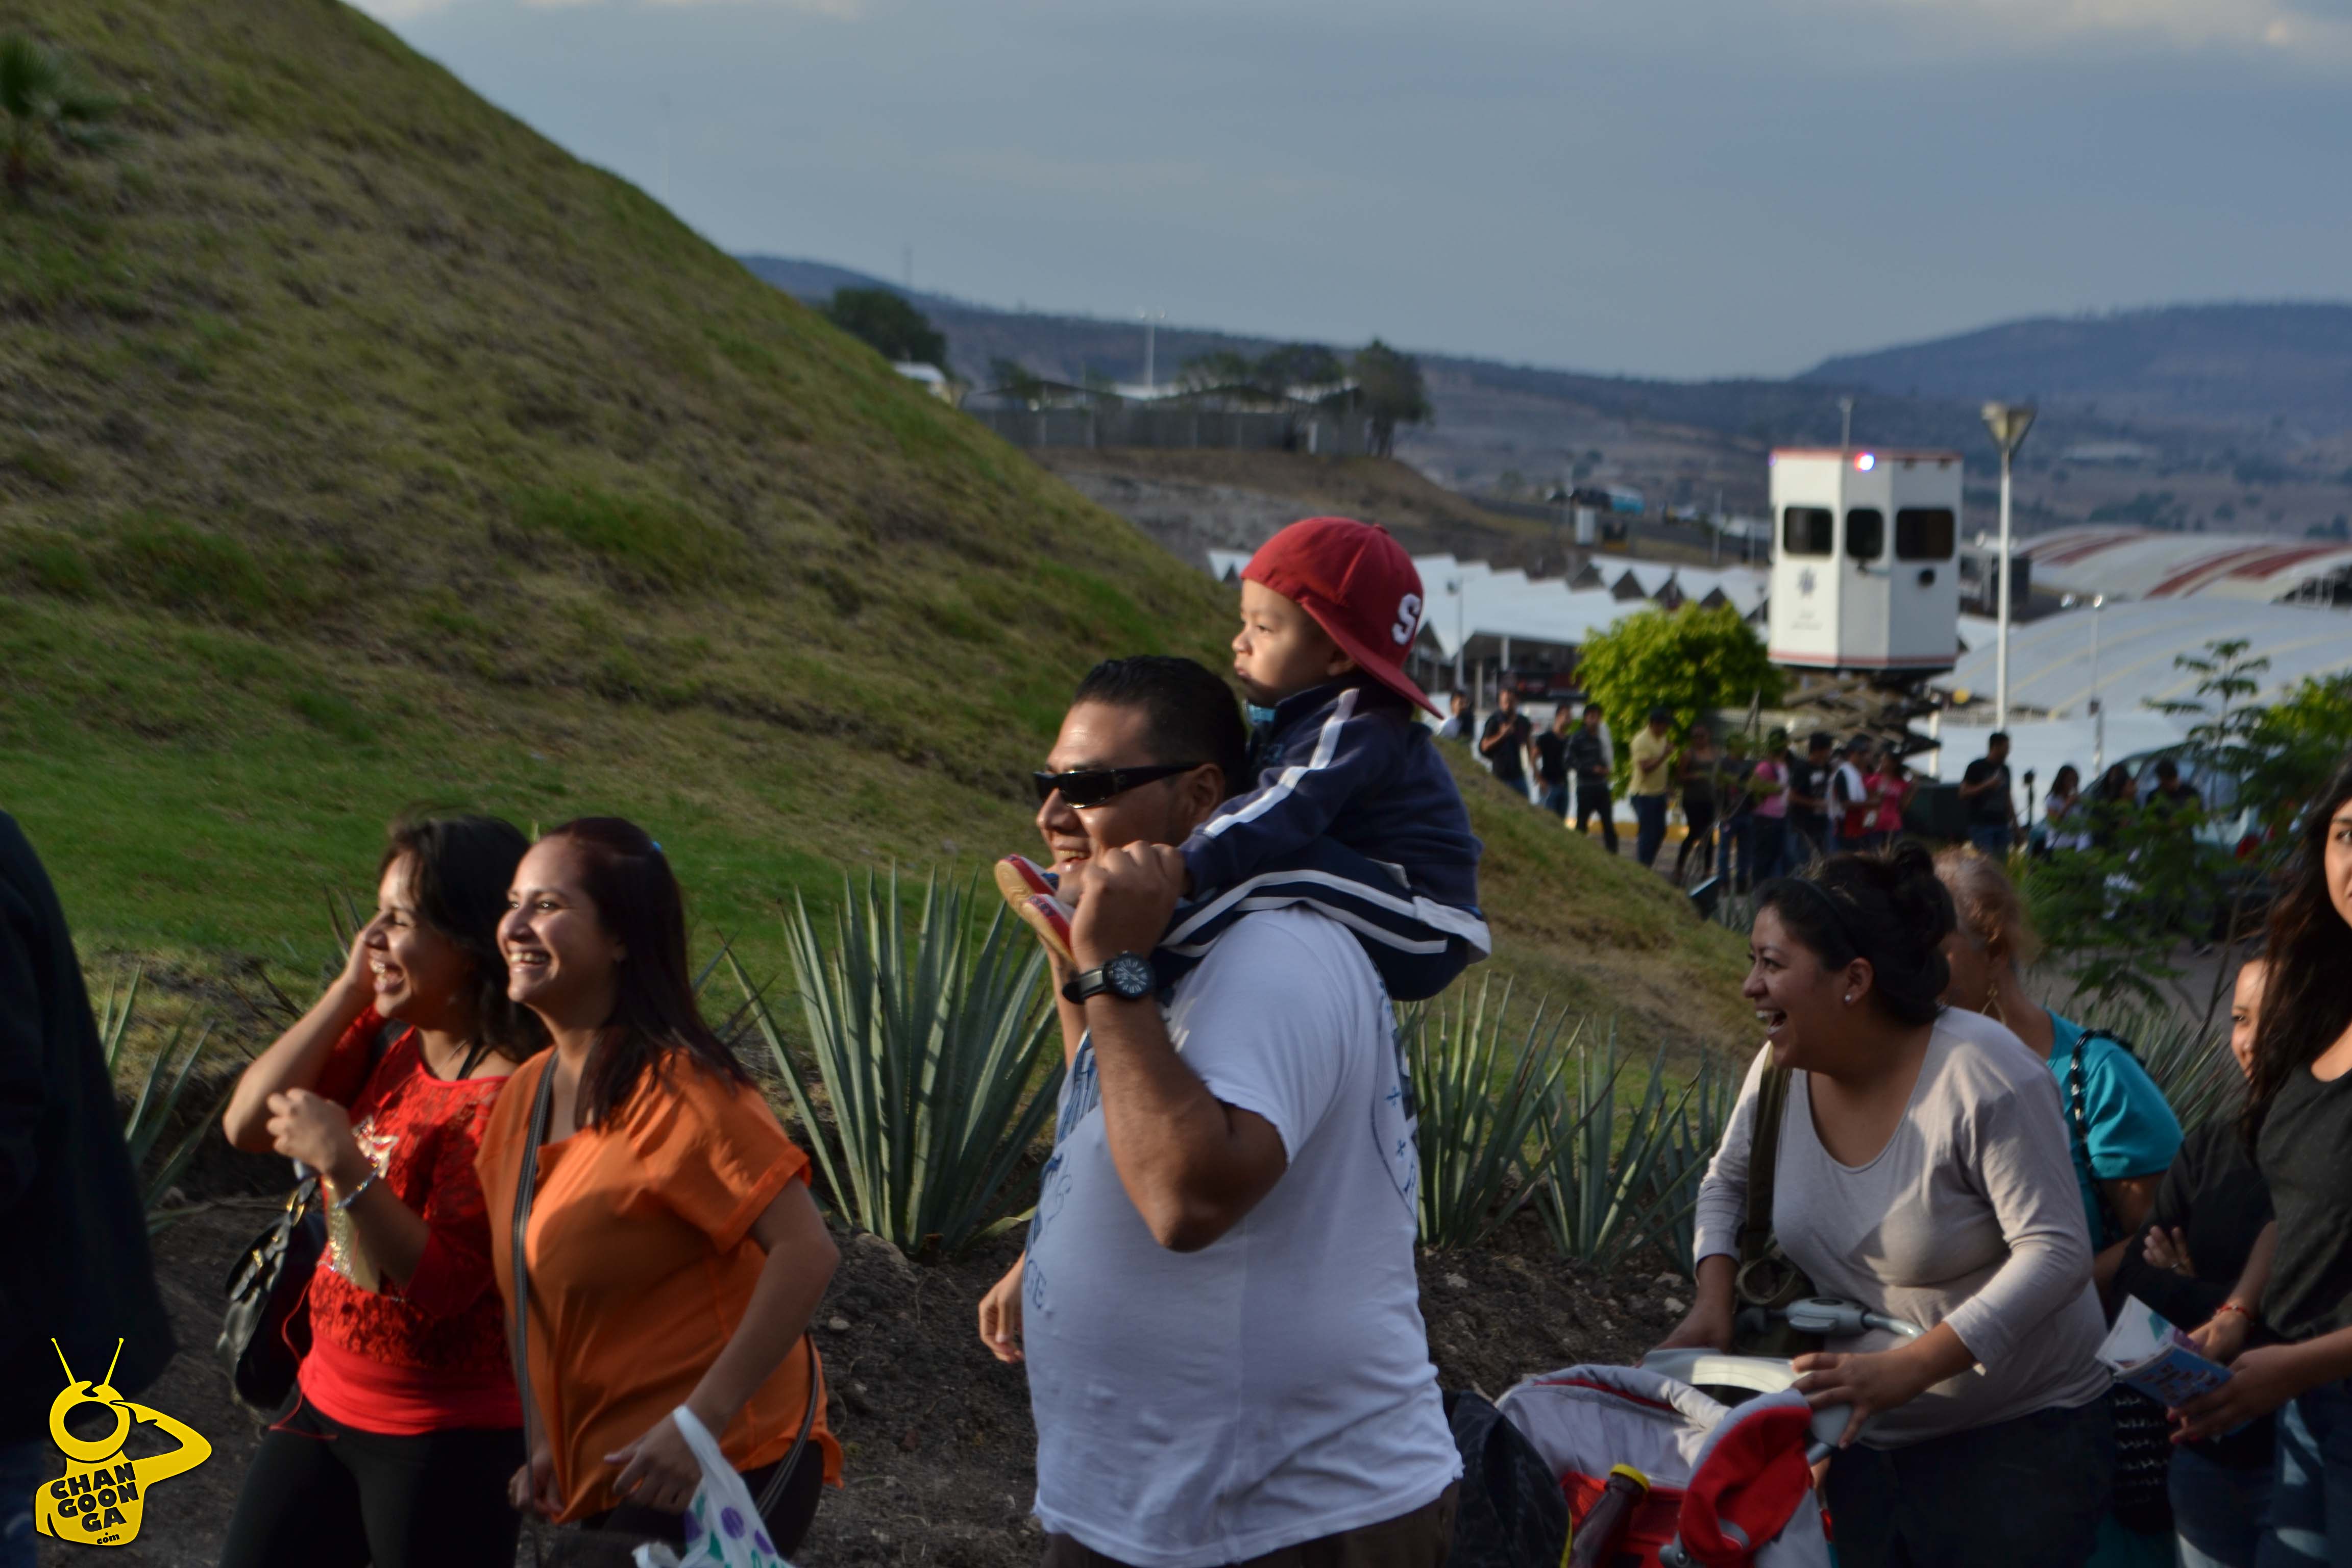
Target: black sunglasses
(1096, 786)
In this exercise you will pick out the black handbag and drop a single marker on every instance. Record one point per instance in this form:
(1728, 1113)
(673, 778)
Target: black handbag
(2141, 1500)
(267, 1284)
(266, 1287)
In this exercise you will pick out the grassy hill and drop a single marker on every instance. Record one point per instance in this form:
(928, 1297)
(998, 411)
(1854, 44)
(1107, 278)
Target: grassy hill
(360, 449)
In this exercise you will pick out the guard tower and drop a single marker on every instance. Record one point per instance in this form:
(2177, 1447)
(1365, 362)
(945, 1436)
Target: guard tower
(1863, 579)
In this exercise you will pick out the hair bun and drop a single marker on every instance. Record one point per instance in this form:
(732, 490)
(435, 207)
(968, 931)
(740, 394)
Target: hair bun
(1920, 899)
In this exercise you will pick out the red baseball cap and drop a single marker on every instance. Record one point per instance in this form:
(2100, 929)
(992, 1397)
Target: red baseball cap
(1359, 585)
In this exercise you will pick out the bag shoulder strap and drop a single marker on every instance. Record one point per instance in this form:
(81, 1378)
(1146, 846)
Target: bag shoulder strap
(542, 1112)
(1763, 1162)
(2078, 1128)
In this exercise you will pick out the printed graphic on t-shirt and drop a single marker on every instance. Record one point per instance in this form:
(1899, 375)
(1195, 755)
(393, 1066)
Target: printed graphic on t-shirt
(1080, 1094)
(1396, 1127)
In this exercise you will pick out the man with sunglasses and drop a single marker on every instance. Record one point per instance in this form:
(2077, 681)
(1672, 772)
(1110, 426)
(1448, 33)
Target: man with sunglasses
(1226, 1358)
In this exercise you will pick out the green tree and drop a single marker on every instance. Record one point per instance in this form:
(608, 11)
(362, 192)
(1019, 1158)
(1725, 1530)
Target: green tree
(2115, 917)
(1389, 385)
(1690, 661)
(1296, 365)
(882, 318)
(44, 105)
(1017, 380)
(1217, 368)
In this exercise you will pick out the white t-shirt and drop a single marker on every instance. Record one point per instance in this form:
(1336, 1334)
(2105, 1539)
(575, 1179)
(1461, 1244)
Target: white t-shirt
(1203, 1408)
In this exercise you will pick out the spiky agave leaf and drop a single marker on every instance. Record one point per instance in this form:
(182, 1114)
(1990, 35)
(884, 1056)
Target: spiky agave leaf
(935, 1056)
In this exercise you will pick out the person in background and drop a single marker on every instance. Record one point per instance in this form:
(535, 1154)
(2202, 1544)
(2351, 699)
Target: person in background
(1922, 1170)
(1504, 741)
(2298, 1283)
(1809, 802)
(2066, 812)
(2210, 1210)
(1550, 750)
(2112, 806)
(1456, 726)
(2172, 797)
(1769, 788)
(2122, 1133)
(1985, 796)
(675, 1256)
(78, 1266)
(1891, 786)
(404, 1424)
(1652, 757)
(1588, 760)
(2127, 1136)
(1699, 771)
(1734, 836)
(1851, 801)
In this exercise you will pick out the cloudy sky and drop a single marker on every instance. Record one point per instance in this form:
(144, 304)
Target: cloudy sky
(1675, 187)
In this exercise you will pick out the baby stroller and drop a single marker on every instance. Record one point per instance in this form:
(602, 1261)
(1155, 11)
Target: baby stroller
(1730, 1484)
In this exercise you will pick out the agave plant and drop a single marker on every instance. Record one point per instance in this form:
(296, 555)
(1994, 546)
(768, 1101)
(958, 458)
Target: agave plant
(1614, 1189)
(2200, 1079)
(1484, 1132)
(168, 1078)
(936, 1055)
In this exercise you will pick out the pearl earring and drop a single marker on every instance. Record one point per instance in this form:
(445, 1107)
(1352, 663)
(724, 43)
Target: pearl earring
(1849, 998)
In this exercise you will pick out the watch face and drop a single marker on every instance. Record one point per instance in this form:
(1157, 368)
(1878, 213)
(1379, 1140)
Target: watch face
(1128, 977)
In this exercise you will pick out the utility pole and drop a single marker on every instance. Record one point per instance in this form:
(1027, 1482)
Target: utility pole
(1846, 423)
(1150, 320)
(2008, 422)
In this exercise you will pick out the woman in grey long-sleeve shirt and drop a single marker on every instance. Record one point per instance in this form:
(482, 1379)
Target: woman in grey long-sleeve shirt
(1922, 1170)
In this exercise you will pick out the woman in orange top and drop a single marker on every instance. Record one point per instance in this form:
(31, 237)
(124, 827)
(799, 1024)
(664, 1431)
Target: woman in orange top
(675, 1256)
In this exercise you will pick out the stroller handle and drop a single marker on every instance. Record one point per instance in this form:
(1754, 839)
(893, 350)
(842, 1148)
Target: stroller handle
(1828, 1316)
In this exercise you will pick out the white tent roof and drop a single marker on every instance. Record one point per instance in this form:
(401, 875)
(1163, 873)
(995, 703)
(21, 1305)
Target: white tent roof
(2050, 665)
(1472, 599)
(2147, 563)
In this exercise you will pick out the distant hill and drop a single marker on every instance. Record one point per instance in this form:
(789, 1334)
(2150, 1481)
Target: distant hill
(2259, 370)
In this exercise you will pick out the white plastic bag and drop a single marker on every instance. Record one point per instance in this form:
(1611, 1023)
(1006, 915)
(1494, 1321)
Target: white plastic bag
(723, 1527)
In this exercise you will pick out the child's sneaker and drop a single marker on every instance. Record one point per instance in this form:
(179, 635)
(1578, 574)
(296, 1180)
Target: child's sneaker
(1020, 878)
(1050, 919)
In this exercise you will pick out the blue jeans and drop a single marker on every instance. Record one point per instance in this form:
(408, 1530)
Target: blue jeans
(1992, 840)
(25, 1469)
(1650, 827)
(2218, 1510)
(1767, 849)
(2311, 1502)
(1555, 800)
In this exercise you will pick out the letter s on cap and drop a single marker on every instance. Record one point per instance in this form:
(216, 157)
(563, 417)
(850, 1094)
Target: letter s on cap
(1408, 619)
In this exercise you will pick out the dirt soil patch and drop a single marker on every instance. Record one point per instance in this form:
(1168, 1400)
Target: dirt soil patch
(940, 1448)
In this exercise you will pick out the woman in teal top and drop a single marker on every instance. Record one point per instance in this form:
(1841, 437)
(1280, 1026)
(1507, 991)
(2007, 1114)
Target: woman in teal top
(2124, 1134)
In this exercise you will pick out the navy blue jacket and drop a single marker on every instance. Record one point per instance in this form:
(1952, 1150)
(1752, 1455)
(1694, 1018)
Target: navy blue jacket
(1349, 762)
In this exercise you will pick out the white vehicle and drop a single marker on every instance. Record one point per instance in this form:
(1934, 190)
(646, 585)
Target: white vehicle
(1864, 578)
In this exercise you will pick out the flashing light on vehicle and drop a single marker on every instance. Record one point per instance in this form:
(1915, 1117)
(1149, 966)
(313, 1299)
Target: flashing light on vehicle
(1866, 462)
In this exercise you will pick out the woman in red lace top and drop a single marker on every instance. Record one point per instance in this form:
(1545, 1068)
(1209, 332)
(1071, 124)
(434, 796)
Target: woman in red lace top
(395, 1448)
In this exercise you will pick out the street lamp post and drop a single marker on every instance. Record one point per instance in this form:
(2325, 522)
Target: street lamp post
(2098, 709)
(1150, 320)
(2008, 422)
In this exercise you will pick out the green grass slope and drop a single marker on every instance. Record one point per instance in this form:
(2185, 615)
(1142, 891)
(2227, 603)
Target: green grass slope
(360, 449)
